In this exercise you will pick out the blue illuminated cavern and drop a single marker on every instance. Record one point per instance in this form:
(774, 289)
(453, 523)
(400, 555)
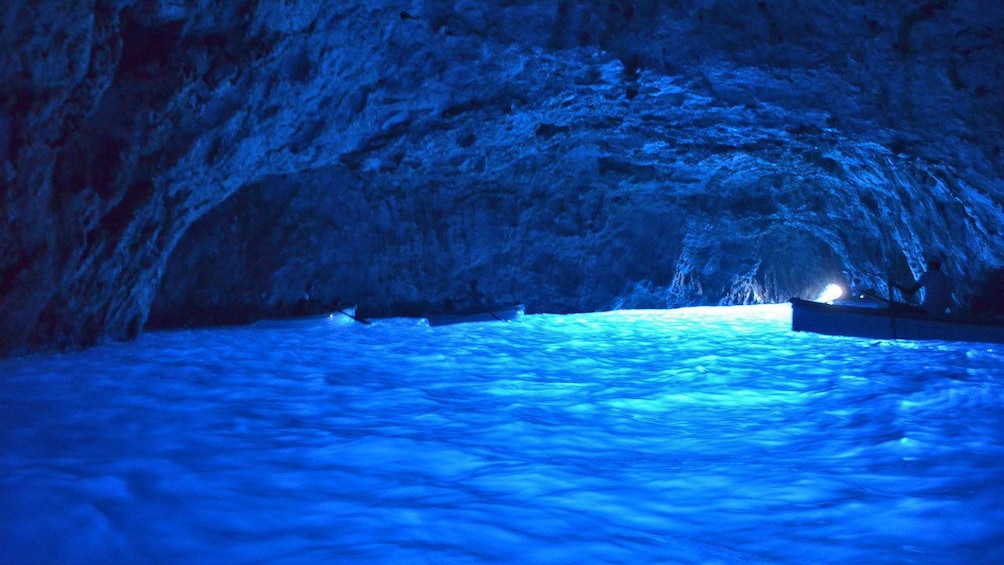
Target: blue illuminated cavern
(174, 163)
(656, 181)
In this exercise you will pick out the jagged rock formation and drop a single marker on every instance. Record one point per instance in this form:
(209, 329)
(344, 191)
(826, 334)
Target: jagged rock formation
(575, 155)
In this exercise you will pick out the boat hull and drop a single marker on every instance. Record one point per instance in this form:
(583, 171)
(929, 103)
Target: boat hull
(343, 316)
(891, 323)
(498, 314)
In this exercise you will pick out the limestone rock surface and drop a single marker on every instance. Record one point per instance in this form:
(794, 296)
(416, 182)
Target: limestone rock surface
(202, 161)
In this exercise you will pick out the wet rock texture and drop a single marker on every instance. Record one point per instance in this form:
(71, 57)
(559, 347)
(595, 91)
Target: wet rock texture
(202, 161)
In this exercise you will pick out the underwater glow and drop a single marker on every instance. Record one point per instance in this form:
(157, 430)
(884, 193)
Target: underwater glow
(831, 293)
(685, 436)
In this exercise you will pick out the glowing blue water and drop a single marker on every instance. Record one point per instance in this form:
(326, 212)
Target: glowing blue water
(687, 436)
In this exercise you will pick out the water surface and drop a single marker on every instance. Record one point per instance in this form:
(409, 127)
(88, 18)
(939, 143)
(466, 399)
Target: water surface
(706, 435)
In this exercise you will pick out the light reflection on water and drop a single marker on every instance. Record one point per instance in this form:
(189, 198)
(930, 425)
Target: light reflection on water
(686, 436)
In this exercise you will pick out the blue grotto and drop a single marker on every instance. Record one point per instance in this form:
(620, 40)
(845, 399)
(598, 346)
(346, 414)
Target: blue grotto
(236, 239)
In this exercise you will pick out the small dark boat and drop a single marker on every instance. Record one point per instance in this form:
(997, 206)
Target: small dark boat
(494, 313)
(891, 320)
(343, 316)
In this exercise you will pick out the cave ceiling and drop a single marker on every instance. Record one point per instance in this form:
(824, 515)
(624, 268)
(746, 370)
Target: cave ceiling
(164, 160)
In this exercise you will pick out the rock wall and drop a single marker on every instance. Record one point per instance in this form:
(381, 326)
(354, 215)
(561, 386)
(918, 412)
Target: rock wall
(574, 155)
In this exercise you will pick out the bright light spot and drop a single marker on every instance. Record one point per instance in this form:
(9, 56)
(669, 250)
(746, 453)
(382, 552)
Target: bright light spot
(830, 293)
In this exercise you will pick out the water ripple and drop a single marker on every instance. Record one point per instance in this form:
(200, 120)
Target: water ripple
(695, 435)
